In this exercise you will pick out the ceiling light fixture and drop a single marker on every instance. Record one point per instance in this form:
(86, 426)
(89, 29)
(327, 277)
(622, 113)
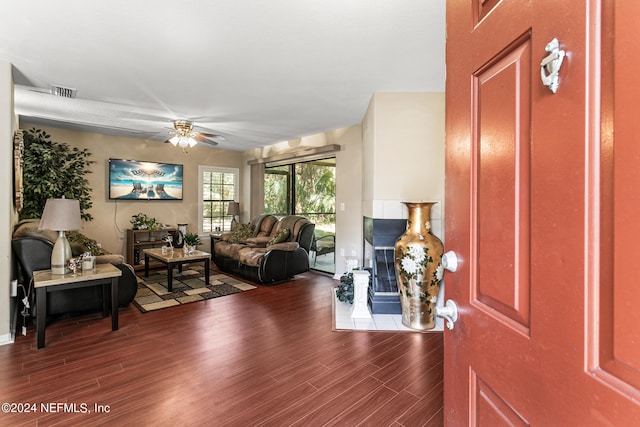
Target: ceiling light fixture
(183, 141)
(185, 137)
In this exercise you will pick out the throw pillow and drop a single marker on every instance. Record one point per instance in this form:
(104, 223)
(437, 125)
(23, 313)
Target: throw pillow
(241, 232)
(281, 236)
(80, 244)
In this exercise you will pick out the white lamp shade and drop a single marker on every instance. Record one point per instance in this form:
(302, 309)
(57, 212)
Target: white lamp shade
(61, 215)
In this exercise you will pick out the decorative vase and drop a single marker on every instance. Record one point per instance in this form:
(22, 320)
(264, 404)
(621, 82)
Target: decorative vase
(178, 239)
(418, 263)
(188, 249)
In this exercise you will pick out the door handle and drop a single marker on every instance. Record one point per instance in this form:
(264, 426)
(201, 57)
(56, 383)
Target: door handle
(449, 312)
(450, 261)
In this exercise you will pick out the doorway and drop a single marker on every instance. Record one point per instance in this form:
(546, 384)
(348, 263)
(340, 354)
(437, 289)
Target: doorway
(307, 189)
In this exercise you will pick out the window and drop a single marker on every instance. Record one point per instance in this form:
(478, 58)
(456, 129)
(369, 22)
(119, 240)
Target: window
(277, 190)
(218, 186)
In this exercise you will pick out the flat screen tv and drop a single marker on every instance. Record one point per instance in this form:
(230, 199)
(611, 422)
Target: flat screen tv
(137, 180)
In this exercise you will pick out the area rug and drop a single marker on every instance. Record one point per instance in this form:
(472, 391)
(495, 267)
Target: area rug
(188, 286)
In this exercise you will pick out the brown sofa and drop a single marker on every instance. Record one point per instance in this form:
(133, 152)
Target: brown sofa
(262, 251)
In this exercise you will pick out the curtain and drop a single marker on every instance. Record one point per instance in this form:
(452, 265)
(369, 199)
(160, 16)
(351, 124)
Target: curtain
(256, 200)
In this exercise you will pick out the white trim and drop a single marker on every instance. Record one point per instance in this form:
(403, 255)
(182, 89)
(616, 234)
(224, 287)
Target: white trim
(6, 339)
(201, 170)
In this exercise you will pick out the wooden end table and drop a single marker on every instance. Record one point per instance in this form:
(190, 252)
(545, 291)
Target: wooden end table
(104, 274)
(177, 257)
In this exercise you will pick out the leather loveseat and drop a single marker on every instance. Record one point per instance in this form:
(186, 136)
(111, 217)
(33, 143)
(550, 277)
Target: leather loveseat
(32, 249)
(271, 250)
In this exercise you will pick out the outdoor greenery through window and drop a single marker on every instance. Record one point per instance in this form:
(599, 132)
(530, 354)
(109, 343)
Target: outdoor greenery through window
(307, 189)
(218, 187)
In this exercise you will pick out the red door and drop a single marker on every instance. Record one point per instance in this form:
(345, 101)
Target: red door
(543, 210)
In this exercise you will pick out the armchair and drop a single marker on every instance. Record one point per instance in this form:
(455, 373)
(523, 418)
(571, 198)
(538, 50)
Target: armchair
(322, 246)
(32, 249)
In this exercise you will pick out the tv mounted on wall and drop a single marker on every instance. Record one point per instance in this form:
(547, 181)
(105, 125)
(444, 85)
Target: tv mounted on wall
(137, 180)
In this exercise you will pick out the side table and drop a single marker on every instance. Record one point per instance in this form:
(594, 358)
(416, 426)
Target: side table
(45, 282)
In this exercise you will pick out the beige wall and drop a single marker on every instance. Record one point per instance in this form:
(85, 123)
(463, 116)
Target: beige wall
(348, 182)
(403, 143)
(111, 217)
(368, 150)
(7, 213)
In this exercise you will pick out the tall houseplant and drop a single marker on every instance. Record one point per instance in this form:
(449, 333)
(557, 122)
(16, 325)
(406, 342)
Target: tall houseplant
(52, 170)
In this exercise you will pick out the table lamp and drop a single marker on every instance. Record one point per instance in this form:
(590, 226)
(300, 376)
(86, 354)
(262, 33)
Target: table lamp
(234, 209)
(61, 215)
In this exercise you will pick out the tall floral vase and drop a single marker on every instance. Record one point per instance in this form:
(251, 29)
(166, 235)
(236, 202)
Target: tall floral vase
(418, 263)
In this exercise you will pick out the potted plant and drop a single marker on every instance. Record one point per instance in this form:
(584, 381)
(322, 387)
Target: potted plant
(54, 169)
(345, 290)
(143, 222)
(191, 240)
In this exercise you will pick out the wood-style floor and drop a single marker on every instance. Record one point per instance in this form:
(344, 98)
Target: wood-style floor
(266, 357)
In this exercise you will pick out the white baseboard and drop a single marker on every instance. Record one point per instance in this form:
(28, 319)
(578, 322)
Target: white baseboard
(6, 339)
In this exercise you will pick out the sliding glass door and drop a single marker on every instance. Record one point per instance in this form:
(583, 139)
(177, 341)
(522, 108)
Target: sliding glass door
(307, 189)
(277, 190)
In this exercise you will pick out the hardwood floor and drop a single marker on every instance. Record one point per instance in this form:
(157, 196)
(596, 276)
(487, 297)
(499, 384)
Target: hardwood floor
(266, 357)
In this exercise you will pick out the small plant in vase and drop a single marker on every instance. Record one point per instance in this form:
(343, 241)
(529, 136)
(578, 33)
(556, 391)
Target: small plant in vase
(143, 222)
(191, 240)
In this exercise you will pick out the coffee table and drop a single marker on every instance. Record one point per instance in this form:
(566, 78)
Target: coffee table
(177, 257)
(45, 282)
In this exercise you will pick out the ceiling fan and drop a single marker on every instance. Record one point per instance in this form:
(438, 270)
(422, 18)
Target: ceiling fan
(186, 137)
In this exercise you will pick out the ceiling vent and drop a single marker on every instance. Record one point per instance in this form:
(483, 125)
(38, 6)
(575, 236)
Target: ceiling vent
(65, 92)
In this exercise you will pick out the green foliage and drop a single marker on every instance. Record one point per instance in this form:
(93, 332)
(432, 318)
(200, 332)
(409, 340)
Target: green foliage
(276, 185)
(52, 170)
(80, 244)
(143, 222)
(345, 288)
(192, 239)
(315, 189)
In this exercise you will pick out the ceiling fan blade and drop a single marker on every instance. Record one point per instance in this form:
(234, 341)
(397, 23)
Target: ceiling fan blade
(212, 135)
(206, 140)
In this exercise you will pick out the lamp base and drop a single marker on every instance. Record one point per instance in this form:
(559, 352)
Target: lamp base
(60, 255)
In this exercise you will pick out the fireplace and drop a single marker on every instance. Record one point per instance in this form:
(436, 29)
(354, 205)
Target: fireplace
(380, 237)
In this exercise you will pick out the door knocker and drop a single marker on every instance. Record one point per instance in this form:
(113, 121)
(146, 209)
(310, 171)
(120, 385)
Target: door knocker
(550, 65)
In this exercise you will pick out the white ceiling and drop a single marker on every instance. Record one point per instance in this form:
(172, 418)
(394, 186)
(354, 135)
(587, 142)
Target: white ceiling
(257, 72)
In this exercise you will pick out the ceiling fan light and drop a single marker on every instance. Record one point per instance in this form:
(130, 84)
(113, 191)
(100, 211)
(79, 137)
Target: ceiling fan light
(192, 142)
(174, 140)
